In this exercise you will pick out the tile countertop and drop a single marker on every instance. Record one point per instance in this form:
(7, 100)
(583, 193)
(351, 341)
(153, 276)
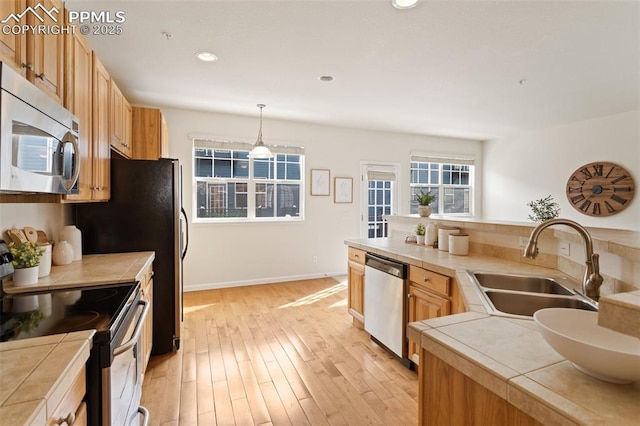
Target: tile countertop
(509, 356)
(93, 269)
(36, 373)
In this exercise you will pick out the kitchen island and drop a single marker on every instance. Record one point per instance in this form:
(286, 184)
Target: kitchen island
(493, 370)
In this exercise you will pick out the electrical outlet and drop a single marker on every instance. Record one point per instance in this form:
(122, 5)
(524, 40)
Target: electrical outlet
(565, 248)
(314, 259)
(523, 241)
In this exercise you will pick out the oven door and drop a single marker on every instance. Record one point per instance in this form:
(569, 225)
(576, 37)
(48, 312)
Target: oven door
(122, 381)
(39, 154)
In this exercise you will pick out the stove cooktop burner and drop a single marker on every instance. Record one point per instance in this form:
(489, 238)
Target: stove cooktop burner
(62, 311)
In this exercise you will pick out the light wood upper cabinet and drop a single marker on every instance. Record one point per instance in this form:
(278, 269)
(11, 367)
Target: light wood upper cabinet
(13, 47)
(45, 53)
(118, 109)
(37, 56)
(100, 132)
(128, 126)
(150, 134)
(78, 96)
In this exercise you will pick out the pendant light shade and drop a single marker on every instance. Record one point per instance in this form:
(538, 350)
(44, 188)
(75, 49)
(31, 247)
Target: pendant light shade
(260, 150)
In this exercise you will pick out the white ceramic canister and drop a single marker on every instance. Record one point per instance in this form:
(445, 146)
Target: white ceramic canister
(459, 244)
(62, 253)
(44, 267)
(73, 236)
(431, 235)
(443, 237)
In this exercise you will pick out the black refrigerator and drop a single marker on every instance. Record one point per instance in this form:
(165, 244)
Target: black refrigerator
(145, 214)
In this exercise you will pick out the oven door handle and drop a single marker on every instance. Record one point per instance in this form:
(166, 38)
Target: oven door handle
(145, 415)
(136, 331)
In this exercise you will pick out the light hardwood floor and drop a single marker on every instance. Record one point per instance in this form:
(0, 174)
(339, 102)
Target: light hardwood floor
(278, 354)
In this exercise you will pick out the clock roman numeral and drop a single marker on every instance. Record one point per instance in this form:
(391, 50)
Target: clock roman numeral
(585, 206)
(586, 173)
(618, 199)
(597, 170)
(581, 182)
(577, 198)
(619, 178)
(610, 171)
(596, 208)
(576, 189)
(626, 189)
(609, 207)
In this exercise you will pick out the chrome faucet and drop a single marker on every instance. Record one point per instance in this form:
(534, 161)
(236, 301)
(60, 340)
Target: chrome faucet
(592, 279)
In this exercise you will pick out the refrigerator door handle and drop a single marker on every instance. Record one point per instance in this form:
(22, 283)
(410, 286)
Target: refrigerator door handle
(186, 229)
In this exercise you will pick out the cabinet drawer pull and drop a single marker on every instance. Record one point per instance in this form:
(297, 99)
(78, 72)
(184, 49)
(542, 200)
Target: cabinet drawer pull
(69, 420)
(40, 76)
(426, 279)
(356, 256)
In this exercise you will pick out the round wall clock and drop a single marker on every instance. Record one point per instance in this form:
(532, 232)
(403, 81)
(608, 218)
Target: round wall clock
(600, 189)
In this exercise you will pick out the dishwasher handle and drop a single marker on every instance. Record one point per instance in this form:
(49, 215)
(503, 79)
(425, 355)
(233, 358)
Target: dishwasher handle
(388, 266)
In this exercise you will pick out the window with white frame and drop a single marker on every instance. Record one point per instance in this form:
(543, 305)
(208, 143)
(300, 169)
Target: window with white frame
(450, 179)
(230, 185)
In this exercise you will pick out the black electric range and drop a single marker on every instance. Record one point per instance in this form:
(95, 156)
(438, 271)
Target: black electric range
(24, 316)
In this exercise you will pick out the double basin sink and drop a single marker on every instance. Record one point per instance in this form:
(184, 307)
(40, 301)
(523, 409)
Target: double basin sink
(522, 295)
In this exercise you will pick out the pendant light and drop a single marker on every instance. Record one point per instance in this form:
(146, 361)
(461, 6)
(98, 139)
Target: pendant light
(260, 150)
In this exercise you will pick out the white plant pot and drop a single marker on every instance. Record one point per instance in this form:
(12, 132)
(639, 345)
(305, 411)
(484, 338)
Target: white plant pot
(424, 211)
(420, 239)
(25, 276)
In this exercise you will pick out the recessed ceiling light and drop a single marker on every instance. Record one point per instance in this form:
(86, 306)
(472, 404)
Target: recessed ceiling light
(404, 4)
(206, 56)
(326, 78)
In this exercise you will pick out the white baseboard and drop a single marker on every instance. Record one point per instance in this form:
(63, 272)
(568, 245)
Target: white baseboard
(213, 286)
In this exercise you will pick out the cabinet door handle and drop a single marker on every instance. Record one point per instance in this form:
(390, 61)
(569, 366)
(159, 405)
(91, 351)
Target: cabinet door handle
(27, 66)
(40, 76)
(426, 279)
(69, 420)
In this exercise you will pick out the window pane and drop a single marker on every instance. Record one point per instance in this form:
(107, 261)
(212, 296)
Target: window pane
(263, 168)
(288, 200)
(264, 200)
(456, 200)
(203, 167)
(222, 168)
(293, 171)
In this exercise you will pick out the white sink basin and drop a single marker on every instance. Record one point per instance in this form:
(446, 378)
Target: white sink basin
(597, 351)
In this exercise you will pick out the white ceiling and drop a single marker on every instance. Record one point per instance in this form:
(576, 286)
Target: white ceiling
(448, 68)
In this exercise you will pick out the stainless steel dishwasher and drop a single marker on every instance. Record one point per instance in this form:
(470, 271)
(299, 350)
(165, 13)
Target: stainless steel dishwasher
(385, 304)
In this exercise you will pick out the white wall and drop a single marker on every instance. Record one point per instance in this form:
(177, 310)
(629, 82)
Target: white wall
(234, 254)
(533, 165)
(48, 217)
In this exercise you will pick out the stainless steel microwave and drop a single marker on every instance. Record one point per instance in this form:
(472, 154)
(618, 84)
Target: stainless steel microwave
(38, 139)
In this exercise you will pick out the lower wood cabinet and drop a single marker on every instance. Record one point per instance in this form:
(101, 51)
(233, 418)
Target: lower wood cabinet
(447, 397)
(356, 285)
(146, 340)
(71, 410)
(424, 305)
(429, 297)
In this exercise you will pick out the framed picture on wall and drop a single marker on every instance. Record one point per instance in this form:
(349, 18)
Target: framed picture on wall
(320, 182)
(343, 190)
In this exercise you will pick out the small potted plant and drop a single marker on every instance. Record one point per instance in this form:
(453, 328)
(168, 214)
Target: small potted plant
(420, 231)
(26, 258)
(424, 200)
(543, 209)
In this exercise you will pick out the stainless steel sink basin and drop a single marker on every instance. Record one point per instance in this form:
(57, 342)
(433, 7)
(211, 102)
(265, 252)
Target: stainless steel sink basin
(532, 284)
(520, 296)
(527, 304)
